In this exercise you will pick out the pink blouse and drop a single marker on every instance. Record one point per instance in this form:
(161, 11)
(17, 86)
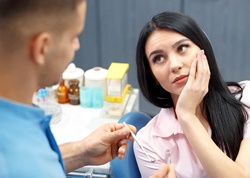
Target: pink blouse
(162, 135)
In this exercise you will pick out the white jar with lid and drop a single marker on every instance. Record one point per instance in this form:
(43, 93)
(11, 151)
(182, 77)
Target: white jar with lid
(73, 72)
(96, 77)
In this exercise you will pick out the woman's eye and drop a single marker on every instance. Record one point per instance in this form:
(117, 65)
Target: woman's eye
(182, 48)
(158, 59)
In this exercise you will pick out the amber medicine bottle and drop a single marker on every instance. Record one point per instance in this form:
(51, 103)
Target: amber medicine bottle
(74, 92)
(62, 93)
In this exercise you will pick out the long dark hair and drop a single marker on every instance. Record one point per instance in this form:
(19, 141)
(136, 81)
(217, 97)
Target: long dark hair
(225, 114)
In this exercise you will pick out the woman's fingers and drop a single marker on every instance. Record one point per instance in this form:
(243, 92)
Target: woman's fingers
(166, 171)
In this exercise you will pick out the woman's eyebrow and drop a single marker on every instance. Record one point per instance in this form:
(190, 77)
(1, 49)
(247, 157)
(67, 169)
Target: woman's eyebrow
(154, 52)
(179, 42)
(173, 46)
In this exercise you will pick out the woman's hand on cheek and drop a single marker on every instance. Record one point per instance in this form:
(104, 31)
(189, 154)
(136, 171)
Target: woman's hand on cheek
(196, 87)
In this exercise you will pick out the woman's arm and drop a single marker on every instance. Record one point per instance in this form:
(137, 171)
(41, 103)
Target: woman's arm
(214, 161)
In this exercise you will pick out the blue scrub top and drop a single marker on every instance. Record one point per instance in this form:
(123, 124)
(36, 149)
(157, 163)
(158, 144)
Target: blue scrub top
(27, 146)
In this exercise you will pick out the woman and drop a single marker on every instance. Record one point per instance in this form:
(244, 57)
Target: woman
(203, 126)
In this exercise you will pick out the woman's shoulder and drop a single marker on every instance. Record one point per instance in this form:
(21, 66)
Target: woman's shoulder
(246, 91)
(245, 83)
(157, 120)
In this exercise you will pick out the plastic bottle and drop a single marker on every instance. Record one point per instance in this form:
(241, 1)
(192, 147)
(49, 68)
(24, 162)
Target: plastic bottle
(42, 94)
(62, 93)
(74, 92)
(49, 107)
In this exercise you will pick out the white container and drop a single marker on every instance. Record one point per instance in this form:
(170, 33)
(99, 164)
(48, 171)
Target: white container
(72, 72)
(96, 77)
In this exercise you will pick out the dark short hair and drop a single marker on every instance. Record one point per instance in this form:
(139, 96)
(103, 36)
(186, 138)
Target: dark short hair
(16, 15)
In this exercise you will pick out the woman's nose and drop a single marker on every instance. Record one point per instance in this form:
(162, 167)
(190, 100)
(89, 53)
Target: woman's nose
(175, 64)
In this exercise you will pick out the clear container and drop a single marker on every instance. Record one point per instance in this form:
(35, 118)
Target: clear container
(53, 109)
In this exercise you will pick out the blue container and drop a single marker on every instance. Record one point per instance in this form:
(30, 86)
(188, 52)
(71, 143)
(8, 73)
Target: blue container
(86, 97)
(97, 97)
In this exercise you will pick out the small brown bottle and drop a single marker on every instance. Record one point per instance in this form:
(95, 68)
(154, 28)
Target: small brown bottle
(62, 93)
(74, 95)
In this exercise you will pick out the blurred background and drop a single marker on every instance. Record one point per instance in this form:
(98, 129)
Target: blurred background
(113, 26)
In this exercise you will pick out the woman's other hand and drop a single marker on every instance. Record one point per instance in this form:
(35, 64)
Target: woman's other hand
(166, 171)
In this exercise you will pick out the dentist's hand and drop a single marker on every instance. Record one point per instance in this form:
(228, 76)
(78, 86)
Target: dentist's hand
(101, 146)
(107, 142)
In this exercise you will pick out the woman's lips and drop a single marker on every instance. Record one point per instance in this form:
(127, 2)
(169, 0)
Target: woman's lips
(180, 79)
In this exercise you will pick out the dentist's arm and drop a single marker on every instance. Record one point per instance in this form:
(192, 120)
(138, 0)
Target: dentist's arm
(103, 145)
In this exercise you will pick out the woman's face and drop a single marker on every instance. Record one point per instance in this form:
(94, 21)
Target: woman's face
(170, 56)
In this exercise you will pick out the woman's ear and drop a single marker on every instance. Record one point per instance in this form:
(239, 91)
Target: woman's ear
(40, 47)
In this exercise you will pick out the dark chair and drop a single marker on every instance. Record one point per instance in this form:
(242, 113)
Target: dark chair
(127, 167)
